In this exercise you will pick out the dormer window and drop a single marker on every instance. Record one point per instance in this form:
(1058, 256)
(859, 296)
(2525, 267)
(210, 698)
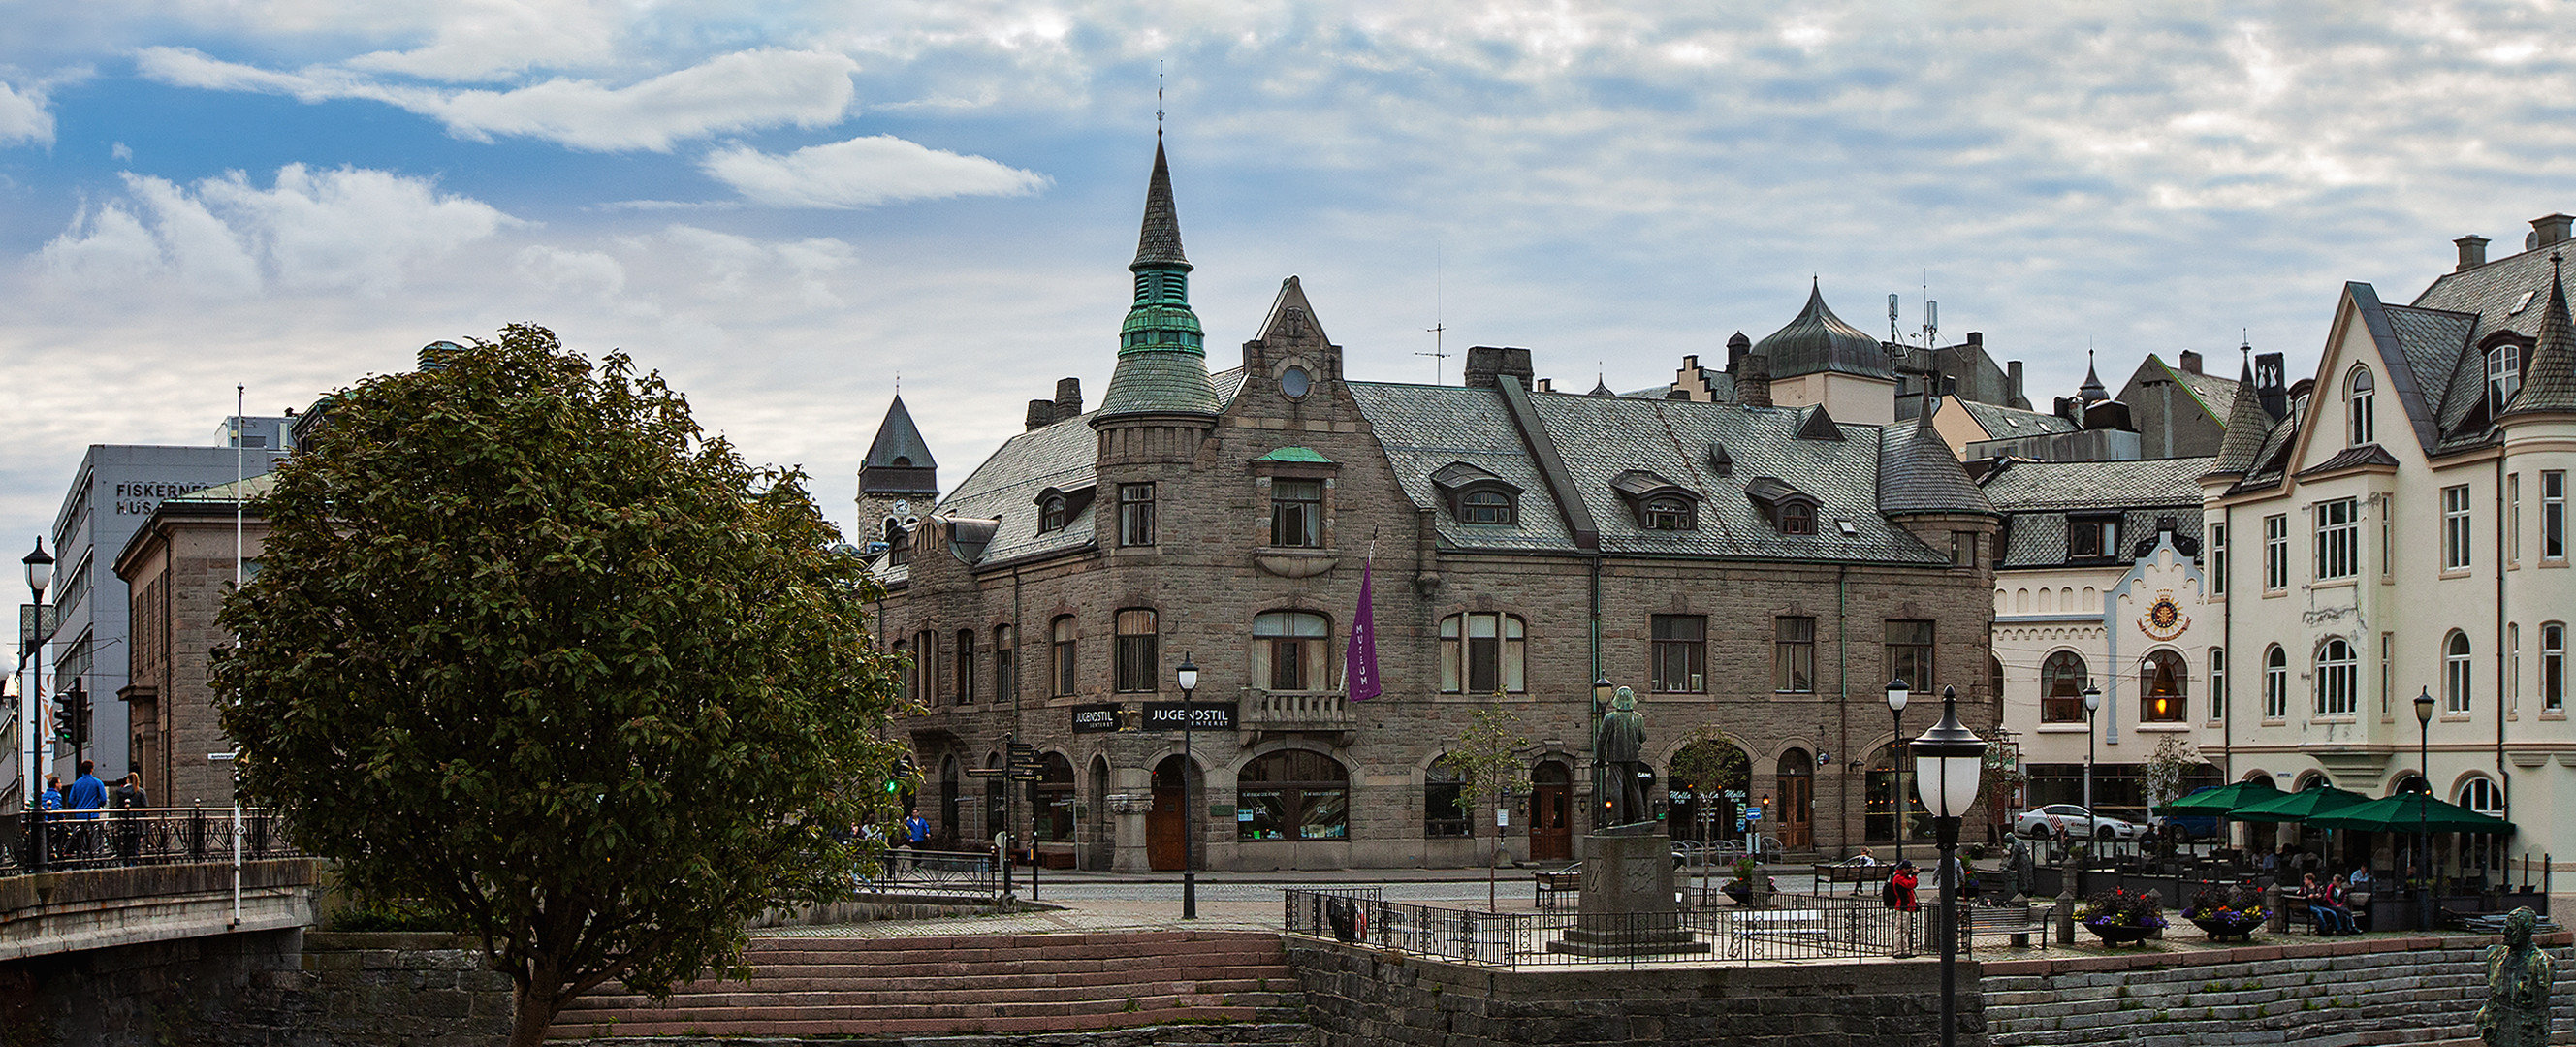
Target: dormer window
(1789, 509)
(898, 544)
(2088, 537)
(1476, 496)
(1057, 507)
(1668, 513)
(2504, 374)
(1660, 504)
(1051, 514)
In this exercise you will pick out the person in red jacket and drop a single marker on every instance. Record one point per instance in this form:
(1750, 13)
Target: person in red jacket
(1900, 888)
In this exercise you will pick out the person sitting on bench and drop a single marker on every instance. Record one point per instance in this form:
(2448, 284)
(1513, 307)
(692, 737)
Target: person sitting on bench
(2329, 919)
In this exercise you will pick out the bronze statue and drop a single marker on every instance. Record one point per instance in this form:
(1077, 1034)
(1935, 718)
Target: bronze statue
(1619, 743)
(2518, 973)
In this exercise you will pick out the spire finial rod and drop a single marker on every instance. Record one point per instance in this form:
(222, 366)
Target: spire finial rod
(1158, 100)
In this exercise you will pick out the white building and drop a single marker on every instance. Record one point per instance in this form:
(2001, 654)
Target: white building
(2403, 532)
(2100, 585)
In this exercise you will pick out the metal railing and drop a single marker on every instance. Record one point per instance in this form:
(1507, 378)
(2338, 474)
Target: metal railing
(961, 874)
(1791, 927)
(96, 839)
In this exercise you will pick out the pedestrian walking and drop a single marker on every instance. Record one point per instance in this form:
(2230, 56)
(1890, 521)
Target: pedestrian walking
(85, 799)
(130, 802)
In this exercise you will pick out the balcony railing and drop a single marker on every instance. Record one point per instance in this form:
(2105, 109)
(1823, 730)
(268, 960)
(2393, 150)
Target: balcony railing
(143, 836)
(1265, 710)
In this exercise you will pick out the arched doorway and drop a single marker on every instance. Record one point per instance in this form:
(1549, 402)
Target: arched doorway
(1167, 825)
(1797, 807)
(1051, 800)
(1707, 789)
(1551, 815)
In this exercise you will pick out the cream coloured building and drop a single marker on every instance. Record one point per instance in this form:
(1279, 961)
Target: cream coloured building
(2403, 532)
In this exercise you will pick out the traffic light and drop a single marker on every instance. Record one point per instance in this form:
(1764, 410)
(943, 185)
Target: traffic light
(71, 715)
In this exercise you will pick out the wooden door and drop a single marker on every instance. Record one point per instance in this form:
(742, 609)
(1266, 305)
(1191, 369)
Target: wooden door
(1165, 829)
(1551, 827)
(1797, 809)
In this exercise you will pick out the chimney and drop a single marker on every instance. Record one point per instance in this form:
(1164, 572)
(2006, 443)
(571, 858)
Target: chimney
(2473, 252)
(2190, 362)
(1486, 364)
(2012, 385)
(1068, 398)
(1041, 413)
(1753, 381)
(1736, 347)
(1977, 339)
(2552, 229)
(1546, 385)
(2268, 381)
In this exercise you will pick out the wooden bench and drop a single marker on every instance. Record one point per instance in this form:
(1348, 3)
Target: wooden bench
(1546, 884)
(2018, 921)
(1859, 876)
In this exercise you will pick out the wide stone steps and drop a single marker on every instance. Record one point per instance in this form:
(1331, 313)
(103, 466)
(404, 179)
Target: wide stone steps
(2309, 996)
(1004, 984)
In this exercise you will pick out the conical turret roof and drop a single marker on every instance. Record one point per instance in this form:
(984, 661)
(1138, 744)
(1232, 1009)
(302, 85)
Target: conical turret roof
(2247, 424)
(1162, 354)
(1918, 473)
(899, 444)
(1158, 244)
(2550, 384)
(1820, 341)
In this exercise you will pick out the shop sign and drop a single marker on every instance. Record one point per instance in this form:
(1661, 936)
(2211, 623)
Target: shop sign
(1094, 719)
(1200, 716)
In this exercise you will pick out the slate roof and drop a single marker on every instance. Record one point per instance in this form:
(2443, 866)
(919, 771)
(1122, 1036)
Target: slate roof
(1158, 241)
(2038, 497)
(2352, 457)
(1425, 428)
(898, 438)
(2550, 385)
(1918, 473)
(2004, 423)
(2215, 392)
(2248, 426)
(1160, 381)
(1006, 486)
(1817, 340)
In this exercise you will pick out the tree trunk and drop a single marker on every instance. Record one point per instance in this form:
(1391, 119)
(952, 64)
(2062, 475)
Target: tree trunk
(535, 1012)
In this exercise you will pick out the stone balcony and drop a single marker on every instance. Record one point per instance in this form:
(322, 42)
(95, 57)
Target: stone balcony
(1267, 711)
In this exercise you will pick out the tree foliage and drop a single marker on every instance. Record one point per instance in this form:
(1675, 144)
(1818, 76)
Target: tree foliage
(530, 651)
(1487, 761)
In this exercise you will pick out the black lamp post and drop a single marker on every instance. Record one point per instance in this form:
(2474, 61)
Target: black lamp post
(1602, 692)
(1187, 675)
(2423, 836)
(40, 574)
(2092, 705)
(1897, 692)
(1947, 762)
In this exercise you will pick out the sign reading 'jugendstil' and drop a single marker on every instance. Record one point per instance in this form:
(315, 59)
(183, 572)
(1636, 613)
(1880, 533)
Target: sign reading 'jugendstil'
(1202, 716)
(1094, 719)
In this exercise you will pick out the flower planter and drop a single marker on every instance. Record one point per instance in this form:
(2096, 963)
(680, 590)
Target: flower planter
(2121, 934)
(2240, 926)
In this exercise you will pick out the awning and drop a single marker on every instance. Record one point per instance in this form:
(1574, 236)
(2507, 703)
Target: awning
(2302, 806)
(2225, 799)
(2411, 812)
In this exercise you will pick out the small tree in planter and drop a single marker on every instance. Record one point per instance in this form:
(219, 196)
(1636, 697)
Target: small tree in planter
(1708, 762)
(1486, 761)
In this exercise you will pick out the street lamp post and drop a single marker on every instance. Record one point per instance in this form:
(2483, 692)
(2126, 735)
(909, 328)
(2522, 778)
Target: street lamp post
(1947, 762)
(31, 692)
(1602, 693)
(1897, 692)
(2423, 835)
(2092, 704)
(1187, 675)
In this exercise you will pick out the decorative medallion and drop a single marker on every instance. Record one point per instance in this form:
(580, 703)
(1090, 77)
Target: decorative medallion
(2164, 619)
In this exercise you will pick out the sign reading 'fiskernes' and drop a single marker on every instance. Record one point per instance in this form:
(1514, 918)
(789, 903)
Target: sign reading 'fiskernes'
(1203, 716)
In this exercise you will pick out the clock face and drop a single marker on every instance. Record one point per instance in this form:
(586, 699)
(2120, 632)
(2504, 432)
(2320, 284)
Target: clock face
(902, 506)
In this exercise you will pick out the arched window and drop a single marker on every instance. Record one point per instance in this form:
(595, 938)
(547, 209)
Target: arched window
(898, 543)
(2161, 678)
(1288, 650)
(1673, 513)
(1486, 506)
(1062, 640)
(2357, 389)
(2482, 795)
(1482, 652)
(1797, 518)
(2553, 667)
(1051, 514)
(1006, 665)
(2061, 688)
(1994, 677)
(965, 663)
(2455, 673)
(1446, 808)
(1292, 795)
(2504, 374)
(1138, 659)
(2338, 682)
(2276, 683)
(2217, 683)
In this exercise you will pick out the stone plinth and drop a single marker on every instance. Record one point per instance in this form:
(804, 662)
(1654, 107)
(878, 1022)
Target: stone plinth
(1628, 904)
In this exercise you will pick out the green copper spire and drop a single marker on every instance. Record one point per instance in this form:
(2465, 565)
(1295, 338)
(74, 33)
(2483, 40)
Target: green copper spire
(1161, 319)
(1162, 354)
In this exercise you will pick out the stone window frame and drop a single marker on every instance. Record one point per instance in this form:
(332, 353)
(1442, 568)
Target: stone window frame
(1298, 796)
(1136, 514)
(2164, 663)
(2053, 670)
(1064, 650)
(1136, 654)
(2337, 679)
(1263, 652)
(1690, 651)
(1511, 652)
(1788, 651)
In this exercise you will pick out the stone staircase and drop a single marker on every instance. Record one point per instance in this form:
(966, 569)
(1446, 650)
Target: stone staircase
(1218, 986)
(2341, 995)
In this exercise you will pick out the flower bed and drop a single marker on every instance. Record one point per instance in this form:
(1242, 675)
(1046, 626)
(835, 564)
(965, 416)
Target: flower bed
(2119, 916)
(2227, 912)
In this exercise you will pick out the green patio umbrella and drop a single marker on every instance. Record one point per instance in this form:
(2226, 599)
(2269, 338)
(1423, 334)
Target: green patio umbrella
(2302, 806)
(2411, 812)
(2224, 800)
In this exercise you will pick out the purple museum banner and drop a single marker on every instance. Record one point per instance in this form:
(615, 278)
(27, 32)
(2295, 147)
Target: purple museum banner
(1359, 668)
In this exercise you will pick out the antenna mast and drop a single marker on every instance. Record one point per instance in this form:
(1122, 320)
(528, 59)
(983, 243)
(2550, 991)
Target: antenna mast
(1439, 323)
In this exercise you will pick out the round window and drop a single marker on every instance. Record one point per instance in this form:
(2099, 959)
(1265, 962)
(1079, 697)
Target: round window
(1294, 383)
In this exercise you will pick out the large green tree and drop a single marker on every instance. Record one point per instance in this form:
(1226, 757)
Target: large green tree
(530, 651)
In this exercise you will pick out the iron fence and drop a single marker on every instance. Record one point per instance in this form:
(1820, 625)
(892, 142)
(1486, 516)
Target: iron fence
(962, 874)
(1791, 927)
(145, 836)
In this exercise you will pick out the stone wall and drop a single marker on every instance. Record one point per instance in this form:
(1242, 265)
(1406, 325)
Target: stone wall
(269, 989)
(2319, 994)
(1364, 998)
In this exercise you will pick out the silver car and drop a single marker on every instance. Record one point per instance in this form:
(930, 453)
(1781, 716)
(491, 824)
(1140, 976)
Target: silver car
(2073, 821)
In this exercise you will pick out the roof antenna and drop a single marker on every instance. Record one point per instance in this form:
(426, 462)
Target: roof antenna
(1439, 324)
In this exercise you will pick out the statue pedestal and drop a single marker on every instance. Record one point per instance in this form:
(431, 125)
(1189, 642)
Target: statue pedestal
(1628, 905)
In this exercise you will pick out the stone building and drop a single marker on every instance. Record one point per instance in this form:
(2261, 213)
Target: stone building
(177, 569)
(2401, 532)
(1757, 569)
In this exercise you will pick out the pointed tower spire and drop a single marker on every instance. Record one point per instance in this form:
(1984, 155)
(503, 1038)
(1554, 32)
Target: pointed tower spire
(2092, 389)
(2247, 425)
(2550, 384)
(1162, 352)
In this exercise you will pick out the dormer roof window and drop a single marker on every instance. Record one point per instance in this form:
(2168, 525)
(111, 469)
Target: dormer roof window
(1475, 496)
(1057, 508)
(1660, 504)
(1789, 510)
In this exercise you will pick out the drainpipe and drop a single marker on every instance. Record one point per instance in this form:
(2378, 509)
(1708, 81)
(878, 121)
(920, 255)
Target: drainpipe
(2505, 689)
(1842, 683)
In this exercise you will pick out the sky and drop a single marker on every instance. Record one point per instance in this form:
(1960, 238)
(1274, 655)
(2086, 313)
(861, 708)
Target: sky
(788, 208)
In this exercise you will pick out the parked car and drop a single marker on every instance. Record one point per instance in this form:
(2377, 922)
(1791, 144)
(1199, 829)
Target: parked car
(2074, 821)
(2182, 827)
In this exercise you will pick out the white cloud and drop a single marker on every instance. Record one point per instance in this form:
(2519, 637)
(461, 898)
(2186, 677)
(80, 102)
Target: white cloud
(349, 229)
(23, 116)
(583, 273)
(862, 172)
(740, 268)
(485, 39)
(740, 91)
